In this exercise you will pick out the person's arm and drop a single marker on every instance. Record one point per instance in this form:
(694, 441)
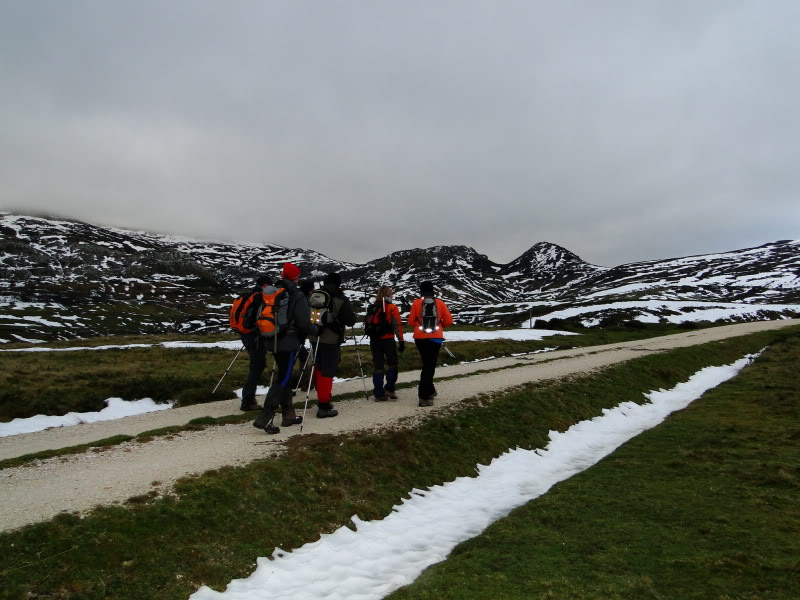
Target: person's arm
(396, 321)
(444, 314)
(347, 315)
(413, 314)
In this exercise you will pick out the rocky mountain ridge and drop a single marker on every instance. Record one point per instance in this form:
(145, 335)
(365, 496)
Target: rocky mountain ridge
(61, 279)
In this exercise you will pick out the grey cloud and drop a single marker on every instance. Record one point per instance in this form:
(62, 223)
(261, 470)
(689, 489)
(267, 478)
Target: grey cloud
(630, 131)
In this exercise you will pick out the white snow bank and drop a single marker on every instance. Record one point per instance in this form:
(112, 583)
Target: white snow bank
(382, 556)
(116, 408)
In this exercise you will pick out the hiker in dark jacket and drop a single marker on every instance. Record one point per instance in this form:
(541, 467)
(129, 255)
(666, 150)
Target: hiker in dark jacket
(257, 351)
(383, 347)
(285, 348)
(331, 337)
(304, 376)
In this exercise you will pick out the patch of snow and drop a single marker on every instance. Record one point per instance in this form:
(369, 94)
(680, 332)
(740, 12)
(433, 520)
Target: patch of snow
(116, 408)
(383, 555)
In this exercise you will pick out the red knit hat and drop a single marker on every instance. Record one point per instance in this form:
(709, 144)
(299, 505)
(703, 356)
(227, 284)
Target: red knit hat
(290, 272)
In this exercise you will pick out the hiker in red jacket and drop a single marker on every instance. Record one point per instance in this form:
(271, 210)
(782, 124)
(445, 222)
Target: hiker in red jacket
(382, 325)
(428, 318)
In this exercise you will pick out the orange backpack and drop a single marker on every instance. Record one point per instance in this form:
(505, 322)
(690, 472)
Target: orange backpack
(244, 312)
(273, 318)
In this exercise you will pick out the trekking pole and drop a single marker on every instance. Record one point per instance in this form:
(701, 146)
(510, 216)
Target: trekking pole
(446, 349)
(228, 369)
(303, 370)
(360, 368)
(310, 380)
(274, 361)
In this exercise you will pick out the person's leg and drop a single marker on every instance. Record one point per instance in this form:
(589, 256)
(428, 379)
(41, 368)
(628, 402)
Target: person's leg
(429, 353)
(327, 361)
(286, 366)
(390, 351)
(376, 348)
(301, 379)
(257, 355)
(426, 373)
(275, 394)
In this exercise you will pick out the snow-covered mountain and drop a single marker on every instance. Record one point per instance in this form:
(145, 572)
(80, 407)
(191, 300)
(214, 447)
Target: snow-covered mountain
(61, 279)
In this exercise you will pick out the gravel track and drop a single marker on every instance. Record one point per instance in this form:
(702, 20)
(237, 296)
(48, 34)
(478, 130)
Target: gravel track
(77, 483)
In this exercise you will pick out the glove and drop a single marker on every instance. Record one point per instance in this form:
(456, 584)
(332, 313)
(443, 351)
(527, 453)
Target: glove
(401, 346)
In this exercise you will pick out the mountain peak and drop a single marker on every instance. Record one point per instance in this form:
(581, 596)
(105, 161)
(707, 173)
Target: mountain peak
(548, 255)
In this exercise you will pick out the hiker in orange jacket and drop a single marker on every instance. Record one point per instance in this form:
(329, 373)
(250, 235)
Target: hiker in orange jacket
(383, 324)
(428, 318)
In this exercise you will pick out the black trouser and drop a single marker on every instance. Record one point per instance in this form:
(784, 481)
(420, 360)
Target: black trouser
(257, 351)
(327, 359)
(381, 348)
(280, 392)
(428, 353)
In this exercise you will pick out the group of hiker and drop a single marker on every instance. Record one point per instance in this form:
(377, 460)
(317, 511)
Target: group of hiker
(278, 317)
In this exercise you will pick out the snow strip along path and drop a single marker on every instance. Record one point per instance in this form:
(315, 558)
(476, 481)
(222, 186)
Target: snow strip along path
(79, 482)
(116, 408)
(360, 565)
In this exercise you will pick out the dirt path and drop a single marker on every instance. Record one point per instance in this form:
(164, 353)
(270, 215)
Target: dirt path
(79, 482)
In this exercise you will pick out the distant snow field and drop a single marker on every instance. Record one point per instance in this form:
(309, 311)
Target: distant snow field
(425, 527)
(652, 311)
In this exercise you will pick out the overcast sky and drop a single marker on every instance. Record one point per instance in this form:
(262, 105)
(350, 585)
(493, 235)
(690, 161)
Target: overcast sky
(622, 130)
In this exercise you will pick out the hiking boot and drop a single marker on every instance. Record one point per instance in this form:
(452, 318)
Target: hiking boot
(381, 398)
(426, 401)
(264, 422)
(391, 394)
(290, 418)
(249, 405)
(263, 419)
(326, 410)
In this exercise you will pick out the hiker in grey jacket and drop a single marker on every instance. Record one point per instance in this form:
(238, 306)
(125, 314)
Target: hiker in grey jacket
(339, 316)
(285, 348)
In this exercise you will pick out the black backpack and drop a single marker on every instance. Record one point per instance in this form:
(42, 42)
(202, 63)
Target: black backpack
(375, 324)
(430, 314)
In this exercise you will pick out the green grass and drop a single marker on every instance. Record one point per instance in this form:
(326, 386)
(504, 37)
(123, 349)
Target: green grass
(55, 383)
(705, 506)
(218, 523)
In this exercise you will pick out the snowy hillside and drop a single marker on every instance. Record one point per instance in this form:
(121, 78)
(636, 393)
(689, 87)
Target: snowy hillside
(62, 279)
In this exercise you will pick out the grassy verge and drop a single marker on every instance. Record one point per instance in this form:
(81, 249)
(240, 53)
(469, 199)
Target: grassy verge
(55, 383)
(193, 425)
(216, 525)
(706, 505)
